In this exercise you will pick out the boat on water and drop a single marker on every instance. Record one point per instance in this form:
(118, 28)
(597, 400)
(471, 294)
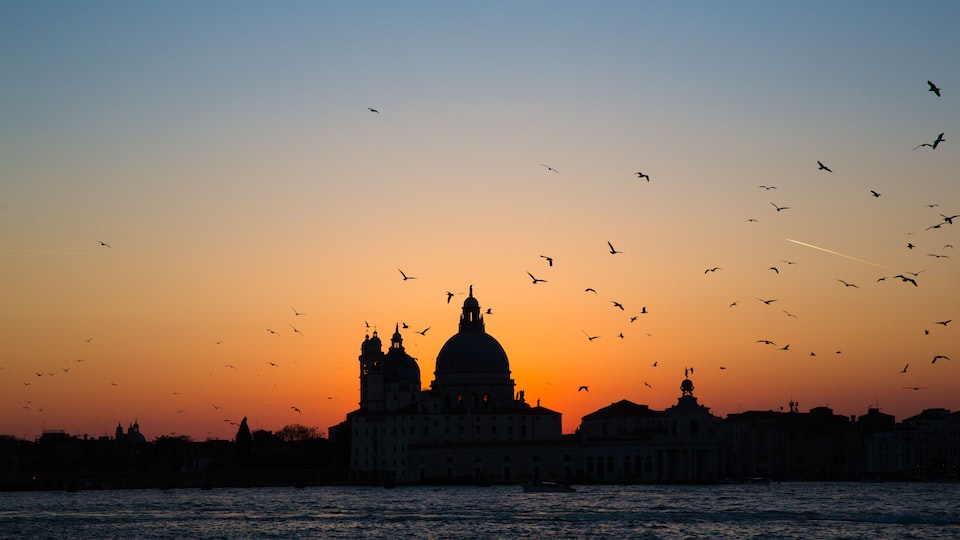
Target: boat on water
(547, 487)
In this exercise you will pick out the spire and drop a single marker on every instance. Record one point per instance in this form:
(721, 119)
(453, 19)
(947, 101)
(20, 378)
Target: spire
(397, 341)
(470, 319)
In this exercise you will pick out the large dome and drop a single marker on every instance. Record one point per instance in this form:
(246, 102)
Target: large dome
(472, 352)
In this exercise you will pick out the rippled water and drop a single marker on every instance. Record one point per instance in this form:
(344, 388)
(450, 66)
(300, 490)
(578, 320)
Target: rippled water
(787, 510)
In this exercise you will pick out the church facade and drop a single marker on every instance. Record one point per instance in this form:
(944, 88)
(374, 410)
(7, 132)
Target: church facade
(471, 425)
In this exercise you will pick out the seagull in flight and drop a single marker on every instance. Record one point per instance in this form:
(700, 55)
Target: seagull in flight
(874, 193)
(536, 280)
(297, 313)
(424, 331)
(765, 342)
(905, 279)
(933, 88)
(845, 284)
(295, 409)
(935, 143)
(104, 244)
(768, 188)
(944, 323)
(589, 337)
(583, 388)
(406, 277)
(613, 251)
(949, 219)
(272, 331)
(767, 302)
(588, 289)
(548, 259)
(295, 331)
(449, 296)
(714, 269)
(371, 109)
(822, 167)
(780, 208)
(641, 175)
(914, 387)
(549, 168)
(904, 370)
(939, 356)
(617, 304)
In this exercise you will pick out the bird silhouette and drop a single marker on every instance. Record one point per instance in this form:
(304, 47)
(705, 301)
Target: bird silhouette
(295, 331)
(424, 331)
(780, 208)
(589, 337)
(767, 302)
(714, 269)
(104, 244)
(822, 167)
(645, 383)
(549, 168)
(933, 145)
(765, 342)
(371, 109)
(874, 193)
(654, 364)
(295, 409)
(642, 175)
(612, 250)
(845, 284)
(933, 88)
(272, 331)
(944, 323)
(272, 364)
(904, 370)
(905, 279)
(949, 219)
(774, 268)
(939, 356)
(549, 260)
(617, 304)
(643, 310)
(536, 280)
(583, 388)
(449, 296)
(297, 313)
(589, 289)
(406, 277)
(768, 188)
(914, 387)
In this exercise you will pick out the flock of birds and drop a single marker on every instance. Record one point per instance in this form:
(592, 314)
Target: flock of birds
(909, 278)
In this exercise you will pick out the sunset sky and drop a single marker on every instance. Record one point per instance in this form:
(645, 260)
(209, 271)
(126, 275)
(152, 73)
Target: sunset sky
(226, 154)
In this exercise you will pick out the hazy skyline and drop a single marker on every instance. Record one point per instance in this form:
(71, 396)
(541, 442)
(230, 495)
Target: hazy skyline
(227, 154)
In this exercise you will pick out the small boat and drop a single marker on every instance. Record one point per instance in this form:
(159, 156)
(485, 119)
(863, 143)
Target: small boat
(547, 487)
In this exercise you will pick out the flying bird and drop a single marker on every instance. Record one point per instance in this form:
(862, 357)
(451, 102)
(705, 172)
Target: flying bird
(272, 331)
(583, 388)
(371, 109)
(767, 302)
(933, 88)
(549, 260)
(905, 279)
(765, 342)
(822, 167)
(589, 337)
(424, 331)
(774, 268)
(714, 269)
(768, 188)
(939, 356)
(297, 313)
(104, 244)
(641, 175)
(536, 280)
(295, 409)
(914, 387)
(617, 304)
(449, 296)
(933, 145)
(295, 331)
(904, 370)
(612, 250)
(589, 289)
(780, 208)
(645, 383)
(949, 219)
(406, 277)
(845, 284)
(549, 168)
(874, 193)
(944, 323)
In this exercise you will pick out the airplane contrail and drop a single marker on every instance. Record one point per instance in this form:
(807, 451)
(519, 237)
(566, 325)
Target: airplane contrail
(836, 253)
